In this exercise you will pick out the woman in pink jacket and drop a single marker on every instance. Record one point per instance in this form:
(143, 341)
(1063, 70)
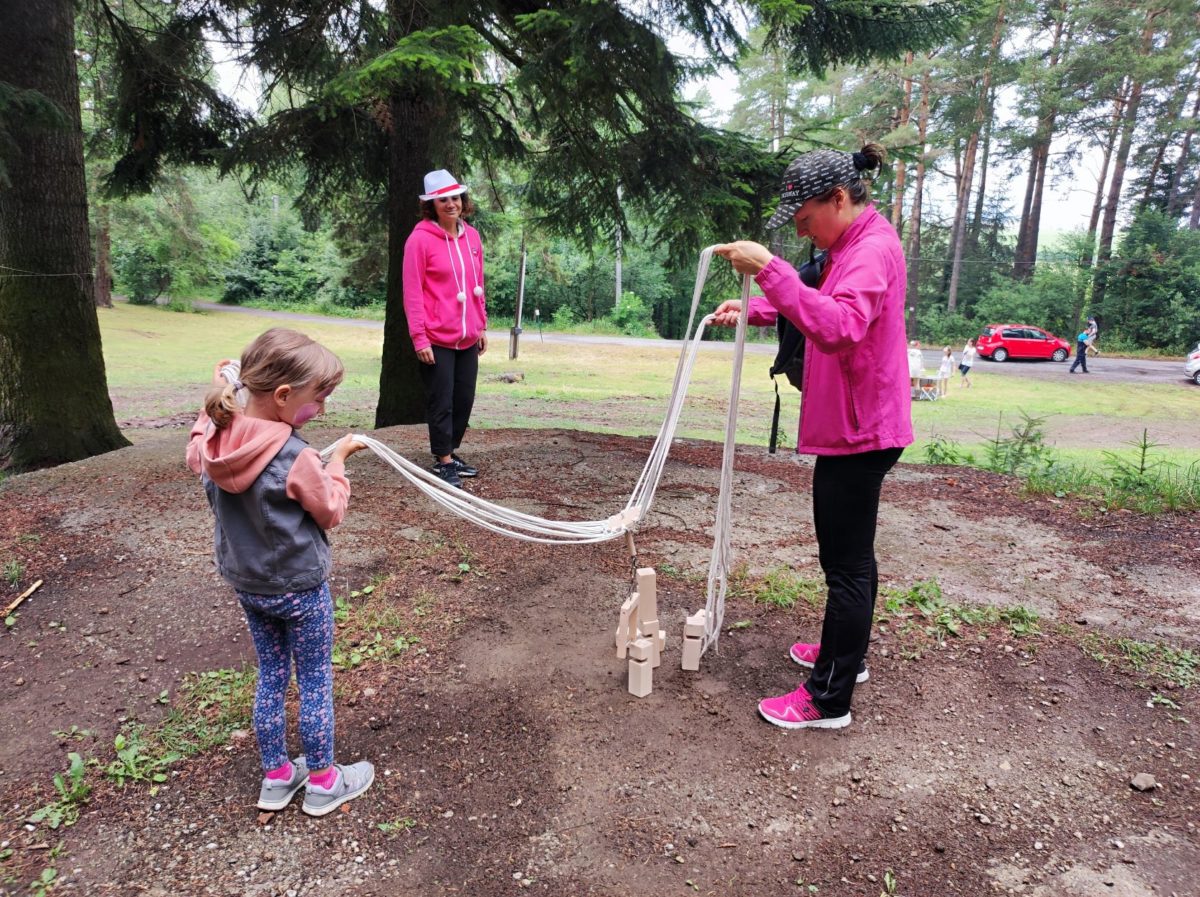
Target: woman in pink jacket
(855, 413)
(447, 316)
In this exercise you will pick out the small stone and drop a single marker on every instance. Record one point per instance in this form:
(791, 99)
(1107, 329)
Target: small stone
(984, 819)
(1117, 843)
(369, 692)
(20, 681)
(1143, 781)
(238, 735)
(160, 658)
(1038, 845)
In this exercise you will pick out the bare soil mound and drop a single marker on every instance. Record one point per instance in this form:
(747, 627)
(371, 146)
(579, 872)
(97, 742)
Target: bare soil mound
(510, 757)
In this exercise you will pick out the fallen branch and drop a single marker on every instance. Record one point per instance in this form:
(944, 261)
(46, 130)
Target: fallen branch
(16, 602)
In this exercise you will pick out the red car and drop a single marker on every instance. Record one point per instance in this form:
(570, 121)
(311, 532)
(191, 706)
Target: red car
(1000, 342)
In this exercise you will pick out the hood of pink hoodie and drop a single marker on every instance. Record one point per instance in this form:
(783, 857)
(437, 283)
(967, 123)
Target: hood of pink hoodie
(234, 456)
(435, 269)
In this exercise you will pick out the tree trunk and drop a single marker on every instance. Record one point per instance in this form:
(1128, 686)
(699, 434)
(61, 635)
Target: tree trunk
(104, 278)
(415, 147)
(1109, 224)
(54, 403)
(1085, 261)
(913, 249)
(901, 167)
(977, 217)
(968, 167)
(1175, 196)
(1022, 263)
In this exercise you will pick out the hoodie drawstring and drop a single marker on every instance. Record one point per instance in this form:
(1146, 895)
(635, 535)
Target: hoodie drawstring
(462, 287)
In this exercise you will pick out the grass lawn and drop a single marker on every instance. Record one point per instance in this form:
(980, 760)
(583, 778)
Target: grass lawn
(159, 363)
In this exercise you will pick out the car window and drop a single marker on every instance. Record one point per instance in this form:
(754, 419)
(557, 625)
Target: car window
(1030, 333)
(987, 331)
(1012, 333)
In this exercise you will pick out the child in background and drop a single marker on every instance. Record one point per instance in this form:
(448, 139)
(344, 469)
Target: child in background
(945, 370)
(968, 359)
(273, 500)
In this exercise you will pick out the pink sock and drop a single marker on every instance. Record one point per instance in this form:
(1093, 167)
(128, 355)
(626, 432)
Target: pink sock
(326, 779)
(283, 773)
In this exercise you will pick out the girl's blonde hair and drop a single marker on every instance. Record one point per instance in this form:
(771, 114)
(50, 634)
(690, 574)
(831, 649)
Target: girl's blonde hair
(946, 350)
(278, 357)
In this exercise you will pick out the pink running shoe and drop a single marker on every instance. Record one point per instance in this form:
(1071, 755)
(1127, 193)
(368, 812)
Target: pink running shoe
(797, 711)
(805, 654)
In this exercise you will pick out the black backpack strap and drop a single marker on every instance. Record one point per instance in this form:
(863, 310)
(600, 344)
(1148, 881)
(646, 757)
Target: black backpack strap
(774, 421)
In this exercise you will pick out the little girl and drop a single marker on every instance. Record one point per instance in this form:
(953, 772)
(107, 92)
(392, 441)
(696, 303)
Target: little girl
(945, 370)
(968, 360)
(273, 501)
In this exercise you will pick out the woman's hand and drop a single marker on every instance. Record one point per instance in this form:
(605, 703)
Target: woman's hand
(727, 313)
(425, 356)
(483, 342)
(746, 256)
(218, 378)
(346, 447)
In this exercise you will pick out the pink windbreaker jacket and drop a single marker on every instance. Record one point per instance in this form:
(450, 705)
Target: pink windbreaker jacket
(856, 395)
(436, 269)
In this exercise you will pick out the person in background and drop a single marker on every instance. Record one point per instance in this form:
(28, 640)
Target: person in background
(856, 412)
(916, 364)
(967, 362)
(1081, 347)
(945, 370)
(447, 316)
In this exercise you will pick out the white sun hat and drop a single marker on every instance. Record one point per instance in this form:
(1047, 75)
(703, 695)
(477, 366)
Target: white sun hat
(441, 183)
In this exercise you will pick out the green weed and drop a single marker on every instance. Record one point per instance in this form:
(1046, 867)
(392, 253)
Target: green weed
(208, 707)
(44, 883)
(1179, 666)
(924, 606)
(136, 759)
(73, 792)
(780, 587)
(13, 571)
(399, 825)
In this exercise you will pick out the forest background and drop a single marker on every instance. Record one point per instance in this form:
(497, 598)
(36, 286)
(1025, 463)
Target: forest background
(1025, 102)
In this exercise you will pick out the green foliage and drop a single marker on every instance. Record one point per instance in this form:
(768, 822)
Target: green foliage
(1179, 666)
(1152, 285)
(1049, 300)
(943, 450)
(633, 316)
(136, 760)
(73, 791)
(13, 571)
(46, 882)
(1022, 451)
(923, 605)
(780, 587)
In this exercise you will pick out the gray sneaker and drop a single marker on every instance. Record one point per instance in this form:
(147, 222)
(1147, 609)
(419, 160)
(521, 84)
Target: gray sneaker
(275, 794)
(351, 781)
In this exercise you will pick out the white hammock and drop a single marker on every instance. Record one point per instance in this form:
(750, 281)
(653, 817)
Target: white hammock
(531, 528)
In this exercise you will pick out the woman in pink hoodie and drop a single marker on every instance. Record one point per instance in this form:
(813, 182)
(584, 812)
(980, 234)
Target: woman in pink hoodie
(447, 316)
(856, 409)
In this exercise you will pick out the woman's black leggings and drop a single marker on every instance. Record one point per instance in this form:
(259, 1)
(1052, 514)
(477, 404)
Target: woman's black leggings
(450, 395)
(845, 508)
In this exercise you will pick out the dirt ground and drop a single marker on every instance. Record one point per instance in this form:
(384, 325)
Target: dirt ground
(512, 760)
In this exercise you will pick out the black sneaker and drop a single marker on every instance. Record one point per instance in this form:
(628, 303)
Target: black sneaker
(447, 472)
(464, 469)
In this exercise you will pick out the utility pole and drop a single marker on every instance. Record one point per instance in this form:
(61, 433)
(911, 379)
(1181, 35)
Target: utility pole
(617, 304)
(514, 335)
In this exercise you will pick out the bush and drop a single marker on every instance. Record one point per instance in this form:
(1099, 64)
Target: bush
(143, 276)
(633, 316)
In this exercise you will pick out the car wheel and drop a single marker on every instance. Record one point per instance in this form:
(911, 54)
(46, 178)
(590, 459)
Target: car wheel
(1000, 354)
(1196, 378)
(1059, 355)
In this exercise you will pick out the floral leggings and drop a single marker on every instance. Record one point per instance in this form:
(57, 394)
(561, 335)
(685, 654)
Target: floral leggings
(295, 625)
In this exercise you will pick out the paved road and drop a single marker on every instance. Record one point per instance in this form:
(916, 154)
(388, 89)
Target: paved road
(1103, 368)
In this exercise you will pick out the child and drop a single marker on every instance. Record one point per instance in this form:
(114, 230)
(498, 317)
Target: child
(945, 370)
(968, 359)
(273, 501)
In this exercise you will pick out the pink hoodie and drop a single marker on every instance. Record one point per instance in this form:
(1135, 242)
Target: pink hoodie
(436, 270)
(856, 385)
(235, 456)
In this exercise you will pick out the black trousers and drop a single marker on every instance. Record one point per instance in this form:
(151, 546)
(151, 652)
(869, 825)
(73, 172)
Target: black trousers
(845, 507)
(449, 396)
(1080, 356)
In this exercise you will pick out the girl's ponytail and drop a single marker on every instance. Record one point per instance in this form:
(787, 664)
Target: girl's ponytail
(221, 404)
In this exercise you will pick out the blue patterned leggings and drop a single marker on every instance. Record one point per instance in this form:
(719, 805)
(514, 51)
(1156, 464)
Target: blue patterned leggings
(296, 625)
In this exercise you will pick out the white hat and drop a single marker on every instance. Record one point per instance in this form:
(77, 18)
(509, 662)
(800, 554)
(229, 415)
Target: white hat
(441, 183)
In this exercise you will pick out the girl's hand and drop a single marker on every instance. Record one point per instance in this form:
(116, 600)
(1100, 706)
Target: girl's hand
(727, 313)
(346, 447)
(483, 342)
(746, 256)
(425, 356)
(218, 378)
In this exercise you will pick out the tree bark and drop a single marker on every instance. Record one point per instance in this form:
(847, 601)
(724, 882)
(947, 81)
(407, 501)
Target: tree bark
(977, 217)
(54, 403)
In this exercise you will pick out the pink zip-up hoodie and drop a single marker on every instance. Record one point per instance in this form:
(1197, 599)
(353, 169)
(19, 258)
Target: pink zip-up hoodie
(436, 269)
(234, 457)
(856, 395)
